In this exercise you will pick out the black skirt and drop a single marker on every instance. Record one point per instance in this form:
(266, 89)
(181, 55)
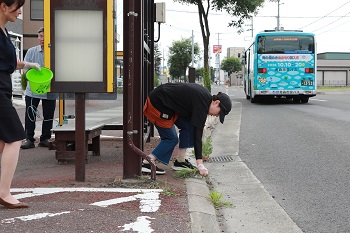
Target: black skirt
(11, 128)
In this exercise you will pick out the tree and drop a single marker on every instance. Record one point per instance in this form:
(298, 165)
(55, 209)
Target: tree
(199, 73)
(231, 65)
(243, 9)
(180, 56)
(157, 59)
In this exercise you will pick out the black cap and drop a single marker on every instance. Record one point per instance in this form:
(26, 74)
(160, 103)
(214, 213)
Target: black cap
(41, 29)
(225, 105)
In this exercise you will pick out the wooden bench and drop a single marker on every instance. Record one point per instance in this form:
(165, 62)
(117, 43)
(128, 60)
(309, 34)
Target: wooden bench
(64, 142)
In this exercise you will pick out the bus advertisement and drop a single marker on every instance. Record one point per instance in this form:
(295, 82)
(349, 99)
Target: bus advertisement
(281, 64)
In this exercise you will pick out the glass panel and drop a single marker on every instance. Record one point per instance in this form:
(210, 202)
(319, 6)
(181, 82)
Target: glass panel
(285, 44)
(78, 48)
(37, 9)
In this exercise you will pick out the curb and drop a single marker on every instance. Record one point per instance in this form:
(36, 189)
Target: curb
(202, 212)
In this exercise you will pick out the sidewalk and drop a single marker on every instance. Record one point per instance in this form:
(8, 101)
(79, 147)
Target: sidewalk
(254, 209)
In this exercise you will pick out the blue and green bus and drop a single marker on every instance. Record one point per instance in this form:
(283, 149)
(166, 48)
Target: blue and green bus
(281, 64)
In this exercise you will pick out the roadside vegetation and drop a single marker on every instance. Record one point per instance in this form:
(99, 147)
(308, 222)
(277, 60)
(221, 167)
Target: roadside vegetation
(325, 88)
(216, 198)
(186, 173)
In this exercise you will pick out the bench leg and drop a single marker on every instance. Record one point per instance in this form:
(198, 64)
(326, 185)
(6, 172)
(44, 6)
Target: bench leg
(96, 147)
(61, 147)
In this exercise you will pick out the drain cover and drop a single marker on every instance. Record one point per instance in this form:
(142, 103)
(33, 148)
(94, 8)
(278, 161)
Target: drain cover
(221, 159)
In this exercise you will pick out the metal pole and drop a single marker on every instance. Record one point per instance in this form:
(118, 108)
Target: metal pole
(80, 147)
(219, 56)
(278, 15)
(163, 63)
(192, 50)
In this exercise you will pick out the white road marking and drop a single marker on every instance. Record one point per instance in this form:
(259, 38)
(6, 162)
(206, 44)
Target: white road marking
(318, 100)
(142, 225)
(149, 202)
(33, 217)
(33, 192)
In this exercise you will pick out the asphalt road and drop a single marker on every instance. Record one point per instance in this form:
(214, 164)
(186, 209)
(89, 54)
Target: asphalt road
(300, 153)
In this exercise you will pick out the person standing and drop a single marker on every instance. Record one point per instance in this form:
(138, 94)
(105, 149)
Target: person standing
(186, 106)
(11, 129)
(48, 101)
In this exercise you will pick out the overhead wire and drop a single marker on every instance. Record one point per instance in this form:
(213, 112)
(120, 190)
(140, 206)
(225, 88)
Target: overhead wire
(334, 27)
(326, 16)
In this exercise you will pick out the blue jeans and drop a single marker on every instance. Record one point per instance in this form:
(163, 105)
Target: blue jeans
(169, 139)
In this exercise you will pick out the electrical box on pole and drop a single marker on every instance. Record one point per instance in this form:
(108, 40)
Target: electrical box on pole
(160, 12)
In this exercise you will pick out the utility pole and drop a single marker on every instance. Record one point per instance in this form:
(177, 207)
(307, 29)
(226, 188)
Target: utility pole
(252, 28)
(163, 63)
(278, 14)
(192, 50)
(218, 59)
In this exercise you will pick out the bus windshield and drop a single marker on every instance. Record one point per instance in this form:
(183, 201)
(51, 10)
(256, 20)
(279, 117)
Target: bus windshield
(285, 44)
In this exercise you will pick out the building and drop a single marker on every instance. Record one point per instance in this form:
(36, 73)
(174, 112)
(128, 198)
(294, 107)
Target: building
(235, 78)
(235, 52)
(333, 69)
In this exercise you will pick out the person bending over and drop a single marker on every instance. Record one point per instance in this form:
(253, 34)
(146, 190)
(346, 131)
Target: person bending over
(186, 106)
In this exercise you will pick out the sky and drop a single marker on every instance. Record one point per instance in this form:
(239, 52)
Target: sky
(328, 20)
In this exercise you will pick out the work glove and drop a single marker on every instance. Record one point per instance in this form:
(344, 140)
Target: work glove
(30, 65)
(203, 171)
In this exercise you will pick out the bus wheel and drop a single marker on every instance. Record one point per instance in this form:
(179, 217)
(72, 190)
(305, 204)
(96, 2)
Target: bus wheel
(304, 99)
(296, 99)
(253, 99)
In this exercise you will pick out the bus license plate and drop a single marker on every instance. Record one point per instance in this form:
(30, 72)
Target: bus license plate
(307, 82)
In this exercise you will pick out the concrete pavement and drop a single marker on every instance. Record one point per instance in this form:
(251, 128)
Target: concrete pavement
(254, 209)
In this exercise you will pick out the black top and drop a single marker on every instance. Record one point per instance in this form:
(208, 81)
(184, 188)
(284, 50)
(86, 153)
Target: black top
(189, 100)
(11, 129)
(8, 61)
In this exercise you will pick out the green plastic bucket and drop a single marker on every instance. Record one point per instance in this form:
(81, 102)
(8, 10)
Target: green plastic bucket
(39, 81)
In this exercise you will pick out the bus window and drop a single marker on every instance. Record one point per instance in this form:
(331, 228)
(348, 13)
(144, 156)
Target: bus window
(285, 44)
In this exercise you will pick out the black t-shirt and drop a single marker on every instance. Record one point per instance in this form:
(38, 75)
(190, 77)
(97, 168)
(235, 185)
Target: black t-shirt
(8, 61)
(190, 101)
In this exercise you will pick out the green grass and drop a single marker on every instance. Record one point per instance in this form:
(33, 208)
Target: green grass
(169, 192)
(325, 88)
(186, 173)
(216, 198)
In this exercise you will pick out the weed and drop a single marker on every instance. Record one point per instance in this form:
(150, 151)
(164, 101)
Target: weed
(24, 81)
(207, 149)
(186, 173)
(215, 198)
(168, 191)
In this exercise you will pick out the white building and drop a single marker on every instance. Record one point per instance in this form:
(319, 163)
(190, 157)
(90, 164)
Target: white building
(235, 78)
